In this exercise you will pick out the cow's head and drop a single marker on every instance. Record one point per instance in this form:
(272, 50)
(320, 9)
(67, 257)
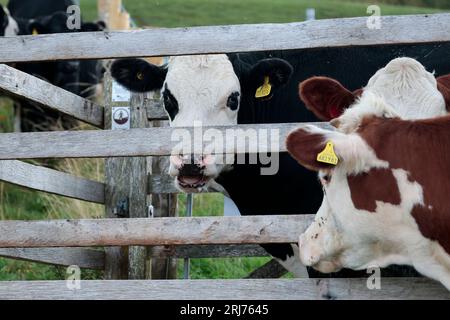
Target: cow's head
(202, 89)
(364, 201)
(8, 26)
(410, 91)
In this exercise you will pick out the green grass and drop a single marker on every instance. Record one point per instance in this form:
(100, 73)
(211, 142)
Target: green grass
(179, 13)
(17, 203)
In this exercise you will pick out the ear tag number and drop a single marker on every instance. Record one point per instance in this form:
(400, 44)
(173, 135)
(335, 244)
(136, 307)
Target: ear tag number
(328, 155)
(34, 32)
(264, 90)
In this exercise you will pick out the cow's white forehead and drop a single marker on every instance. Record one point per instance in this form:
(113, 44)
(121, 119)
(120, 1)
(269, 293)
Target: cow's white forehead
(408, 88)
(202, 84)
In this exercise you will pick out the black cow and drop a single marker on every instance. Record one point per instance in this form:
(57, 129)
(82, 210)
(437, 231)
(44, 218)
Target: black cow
(293, 189)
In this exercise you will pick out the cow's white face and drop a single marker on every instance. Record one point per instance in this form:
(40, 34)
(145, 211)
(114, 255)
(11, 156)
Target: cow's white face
(407, 89)
(364, 220)
(199, 90)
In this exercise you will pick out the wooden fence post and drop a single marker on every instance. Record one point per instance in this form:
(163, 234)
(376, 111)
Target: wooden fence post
(164, 205)
(125, 192)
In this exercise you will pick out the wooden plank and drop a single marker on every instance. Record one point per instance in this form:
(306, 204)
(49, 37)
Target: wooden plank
(134, 177)
(156, 111)
(116, 258)
(51, 181)
(270, 270)
(164, 205)
(234, 38)
(249, 289)
(208, 251)
(21, 85)
(82, 257)
(157, 231)
(138, 142)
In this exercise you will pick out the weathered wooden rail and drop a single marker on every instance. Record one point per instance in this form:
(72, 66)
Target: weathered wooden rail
(219, 39)
(284, 289)
(65, 242)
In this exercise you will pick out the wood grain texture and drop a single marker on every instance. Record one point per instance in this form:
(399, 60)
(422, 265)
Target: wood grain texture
(139, 142)
(116, 258)
(219, 39)
(134, 183)
(208, 251)
(270, 270)
(82, 257)
(157, 231)
(21, 85)
(250, 289)
(51, 181)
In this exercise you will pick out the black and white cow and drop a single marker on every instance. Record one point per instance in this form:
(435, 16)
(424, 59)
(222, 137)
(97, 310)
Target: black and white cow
(220, 90)
(79, 77)
(8, 26)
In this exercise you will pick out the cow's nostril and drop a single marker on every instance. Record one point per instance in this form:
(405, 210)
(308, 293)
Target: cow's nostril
(190, 169)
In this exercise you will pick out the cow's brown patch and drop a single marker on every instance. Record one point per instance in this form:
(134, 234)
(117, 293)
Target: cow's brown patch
(378, 184)
(304, 147)
(432, 226)
(422, 148)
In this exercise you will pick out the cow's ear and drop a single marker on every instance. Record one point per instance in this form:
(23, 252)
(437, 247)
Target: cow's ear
(36, 27)
(276, 72)
(312, 149)
(325, 97)
(138, 75)
(443, 84)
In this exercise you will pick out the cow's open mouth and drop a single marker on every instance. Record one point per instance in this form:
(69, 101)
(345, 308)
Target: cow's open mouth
(192, 182)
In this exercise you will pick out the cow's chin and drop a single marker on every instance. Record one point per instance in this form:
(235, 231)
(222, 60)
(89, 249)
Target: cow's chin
(193, 184)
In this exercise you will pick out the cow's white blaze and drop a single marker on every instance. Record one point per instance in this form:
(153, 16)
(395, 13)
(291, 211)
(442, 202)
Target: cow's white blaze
(201, 86)
(403, 88)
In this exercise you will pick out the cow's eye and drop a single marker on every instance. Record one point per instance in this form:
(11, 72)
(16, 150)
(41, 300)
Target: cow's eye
(170, 104)
(325, 178)
(233, 101)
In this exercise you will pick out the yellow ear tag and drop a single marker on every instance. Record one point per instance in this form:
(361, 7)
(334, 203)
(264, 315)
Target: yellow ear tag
(328, 155)
(34, 32)
(264, 90)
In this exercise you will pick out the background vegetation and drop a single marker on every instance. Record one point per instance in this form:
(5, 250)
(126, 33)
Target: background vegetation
(17, 203)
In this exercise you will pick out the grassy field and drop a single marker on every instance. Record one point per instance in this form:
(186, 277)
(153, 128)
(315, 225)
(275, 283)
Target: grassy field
(17, 203)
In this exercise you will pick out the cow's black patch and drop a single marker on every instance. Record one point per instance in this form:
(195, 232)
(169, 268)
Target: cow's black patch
(138, 75)
(170, 103)
(3, 21)
(233, 101)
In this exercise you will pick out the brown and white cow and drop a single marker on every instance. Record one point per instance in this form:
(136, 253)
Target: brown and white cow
(386, 200)
(409, 90)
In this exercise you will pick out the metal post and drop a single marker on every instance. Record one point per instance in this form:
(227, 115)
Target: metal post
(189, 206)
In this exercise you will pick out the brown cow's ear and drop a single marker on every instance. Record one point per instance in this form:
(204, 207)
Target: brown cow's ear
(325, 97)
(305, 146)
(443, 84)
